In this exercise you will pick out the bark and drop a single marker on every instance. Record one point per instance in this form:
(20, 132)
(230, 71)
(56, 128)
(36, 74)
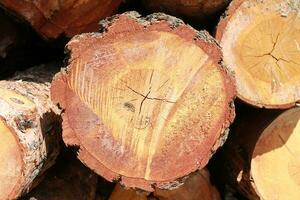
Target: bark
(195, 9)
(67, 179)
(53, 18)
(196, 186)
(30, 125)
(131, 99)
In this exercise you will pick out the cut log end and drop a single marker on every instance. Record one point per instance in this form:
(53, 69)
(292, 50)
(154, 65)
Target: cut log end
(10, 161)
(140, 100)
(260, 41)
(29, 134)
(276, 152)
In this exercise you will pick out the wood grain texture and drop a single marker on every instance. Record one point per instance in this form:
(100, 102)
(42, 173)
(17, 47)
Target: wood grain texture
(140, 99)
(56, 17)
(29, 128)
(260, 44)
(260, 157)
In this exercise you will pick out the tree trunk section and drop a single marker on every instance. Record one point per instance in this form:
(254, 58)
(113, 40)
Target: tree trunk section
(140, 101)
(260, 156)
(260, 42)
(53, 18)
(194, 9)
(68, 179)
(30, 132)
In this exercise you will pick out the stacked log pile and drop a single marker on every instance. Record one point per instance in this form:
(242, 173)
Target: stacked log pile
(148, 107)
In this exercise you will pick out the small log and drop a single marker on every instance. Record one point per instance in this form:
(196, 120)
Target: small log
(30, 132)
(194, 9)
(140, 100)
(261, 156)
(196, 186)
(68, 179)
(260, 42)
(126, 194)
(51, 18)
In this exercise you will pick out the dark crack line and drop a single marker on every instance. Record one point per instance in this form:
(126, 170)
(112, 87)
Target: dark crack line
(284, 144)
(147, 96)
(162, 85)
(150, 81)
(142, 102)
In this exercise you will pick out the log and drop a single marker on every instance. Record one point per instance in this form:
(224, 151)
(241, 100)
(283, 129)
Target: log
(67, 179)
(263, 155)
(194, 9)
(196, 186)
(126, 194)
(30, 132)
(139, 100)
(260, 42)
(53, 18)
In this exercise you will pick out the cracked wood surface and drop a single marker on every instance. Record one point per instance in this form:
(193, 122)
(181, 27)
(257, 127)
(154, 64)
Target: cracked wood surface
(56, 17)
(260, 44)
(140, 100)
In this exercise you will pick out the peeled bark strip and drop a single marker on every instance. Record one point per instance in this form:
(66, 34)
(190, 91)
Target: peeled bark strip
(261, 159)
(260, 41)
(29, 131)
(196, 187)
(140, 100)
(51, 18)
(68, 179)
(195, 9)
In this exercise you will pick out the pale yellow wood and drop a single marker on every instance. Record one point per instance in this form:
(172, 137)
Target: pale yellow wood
(137, 101)
(275, 166)
(261, 45)
(10, 161)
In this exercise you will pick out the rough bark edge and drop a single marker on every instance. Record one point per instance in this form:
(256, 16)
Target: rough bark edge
(171, 24)
(37, 157)
(221, 27)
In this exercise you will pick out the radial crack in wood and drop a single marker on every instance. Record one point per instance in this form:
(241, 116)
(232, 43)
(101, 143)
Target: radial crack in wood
(260, 41)
(140, 101)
